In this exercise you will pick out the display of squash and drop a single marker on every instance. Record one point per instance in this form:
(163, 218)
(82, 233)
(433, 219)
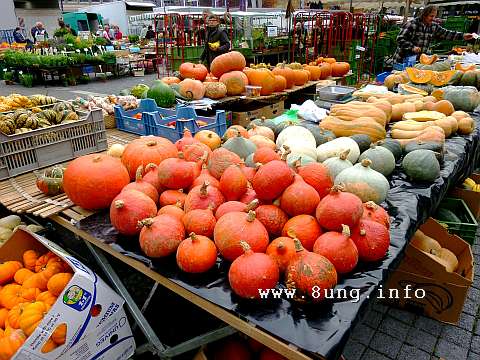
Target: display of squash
(428, 60)
(433, 248)
(421, 165)
(362, 125)
(335, 147)
(353, 109)
(465, 98)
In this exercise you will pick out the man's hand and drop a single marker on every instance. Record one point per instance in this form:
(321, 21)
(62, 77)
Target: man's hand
(467, 36)
(417, 50)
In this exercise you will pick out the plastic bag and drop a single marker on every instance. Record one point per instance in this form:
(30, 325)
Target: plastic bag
(310, 111)
(289, 115)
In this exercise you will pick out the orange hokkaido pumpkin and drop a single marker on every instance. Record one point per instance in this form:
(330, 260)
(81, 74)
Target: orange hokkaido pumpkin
(340, 69)
(190, 70)
(13, 294)
(47, 297)
(209, 138)
(300, 77)
(235, 81)
(14, 315)
(22, 274)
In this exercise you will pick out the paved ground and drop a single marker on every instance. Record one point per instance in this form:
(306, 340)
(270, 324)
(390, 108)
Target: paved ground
(95, 87)
(385, 333)
(391, 333)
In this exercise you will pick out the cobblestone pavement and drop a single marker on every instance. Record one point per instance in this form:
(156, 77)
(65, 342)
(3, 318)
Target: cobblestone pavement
(391, 333)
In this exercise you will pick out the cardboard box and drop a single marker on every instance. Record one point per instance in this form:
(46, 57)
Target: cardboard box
(97, 326)
(471, 198)
(445, 292)
(270, 111)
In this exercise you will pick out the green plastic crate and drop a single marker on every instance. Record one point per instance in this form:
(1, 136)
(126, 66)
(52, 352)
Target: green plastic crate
(468, 227)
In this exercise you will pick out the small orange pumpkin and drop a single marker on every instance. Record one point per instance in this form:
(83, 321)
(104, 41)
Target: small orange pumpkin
(13, 294)
(9, 344)
(22, 274)
(14, 315)
(3, 317)
(340, 69)
(300, 77)
(192, 89)
(47, 297)
(60, 334)
(29, 259)
(280, 83)
(57, 283)
(330, 60)
(31, 316)
(209, 138)
(315, 72)
(8, 270)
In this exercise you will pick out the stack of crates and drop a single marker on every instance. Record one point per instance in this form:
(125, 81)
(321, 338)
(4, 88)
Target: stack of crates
(190, 54)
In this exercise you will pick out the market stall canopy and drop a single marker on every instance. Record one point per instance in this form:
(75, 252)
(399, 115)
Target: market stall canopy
(140, 4)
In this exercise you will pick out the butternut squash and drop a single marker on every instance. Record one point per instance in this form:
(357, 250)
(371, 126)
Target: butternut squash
(361, 125)
(382, 104)
(355, 109)
(411, 125)
(429, 98)
(453, 123)
(432, 133)
(399, 109)
(423, 115)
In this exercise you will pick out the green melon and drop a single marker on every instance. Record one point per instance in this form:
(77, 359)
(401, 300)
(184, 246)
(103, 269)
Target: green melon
(163, 95)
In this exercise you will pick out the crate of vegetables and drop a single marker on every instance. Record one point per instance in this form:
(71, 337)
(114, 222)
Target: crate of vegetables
(133, 121)
(55, 306)
(29, 141)
(173, 127)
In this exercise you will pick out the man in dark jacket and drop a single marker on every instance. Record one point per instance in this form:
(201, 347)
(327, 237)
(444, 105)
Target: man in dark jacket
(416, 35)
(216, 42)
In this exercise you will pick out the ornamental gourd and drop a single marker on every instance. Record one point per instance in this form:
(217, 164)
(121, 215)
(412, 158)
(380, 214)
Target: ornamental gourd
(310, 274)
(363, 181)
(196, 254)
(234, 227)
(92, 181)
(252, 272)
(382, 159)
(339, 248)
(128, 208)
(161, 235)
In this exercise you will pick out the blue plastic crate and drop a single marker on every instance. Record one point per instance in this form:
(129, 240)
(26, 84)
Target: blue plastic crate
(185, 118)
(127, 122)
(409, 62)
(381, 77)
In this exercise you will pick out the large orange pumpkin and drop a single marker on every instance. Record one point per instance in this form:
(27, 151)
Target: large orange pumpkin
(235, 81)
(264, 78)
(287, 73)
(227, 62)
(315, 72)
(340, 69)
(92, 181)
(300, 77)
(280, 83)
(146, 150)
(170, 80)
(192, 89)
(190, 70)
(326, 70)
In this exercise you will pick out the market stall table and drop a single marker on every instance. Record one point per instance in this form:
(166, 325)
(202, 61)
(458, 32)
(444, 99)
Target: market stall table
(297, 331)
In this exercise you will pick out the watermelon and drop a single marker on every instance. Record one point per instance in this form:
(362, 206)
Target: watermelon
(163, 95)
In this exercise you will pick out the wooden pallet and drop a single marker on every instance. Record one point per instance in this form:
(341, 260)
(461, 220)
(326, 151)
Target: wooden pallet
(20, 194)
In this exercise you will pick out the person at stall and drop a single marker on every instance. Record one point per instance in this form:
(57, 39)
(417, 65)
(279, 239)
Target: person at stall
(216, 42)
(150, 34)
(38, 30)
(117, 33)
(416, 35)
(71, 31)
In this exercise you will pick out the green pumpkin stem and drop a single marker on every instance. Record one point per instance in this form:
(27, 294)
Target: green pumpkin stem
(149, 167)
(179, 204)
(181, 155)
(145, 222)
(298, 245)
(193, 236)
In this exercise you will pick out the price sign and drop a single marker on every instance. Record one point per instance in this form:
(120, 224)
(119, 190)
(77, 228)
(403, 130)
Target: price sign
(272, 31)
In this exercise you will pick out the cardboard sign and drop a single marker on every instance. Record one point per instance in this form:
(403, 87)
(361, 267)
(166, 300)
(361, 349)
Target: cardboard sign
(97, 325)
(445, 292)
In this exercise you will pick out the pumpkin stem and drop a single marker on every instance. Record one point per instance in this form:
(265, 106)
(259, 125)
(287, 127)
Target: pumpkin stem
(203, 189)
(252, 205)
(251, 216)
(145, 222)
(286, 152)
(297, 163)
(345, 230)
(281, 246)
(246, 248)
(298, 245)
(179, 204)
(371, 205)
(181, 155)
(337, 188)
(193, 236)
(373, 146)
(97, 158)
(363, 232)
(149, 167)
(344, 154)
(204, 166)
(291, 233)
(151, 143)
(189, 94)
(366, 162)
(138, 173)
(119, 204)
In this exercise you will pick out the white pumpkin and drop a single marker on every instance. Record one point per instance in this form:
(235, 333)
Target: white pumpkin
(336, 146)
(304, 160)
(298, 135)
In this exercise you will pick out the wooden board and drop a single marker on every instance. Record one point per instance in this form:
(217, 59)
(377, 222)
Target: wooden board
(21, 195)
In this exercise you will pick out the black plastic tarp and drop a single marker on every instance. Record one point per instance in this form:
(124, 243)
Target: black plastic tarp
(320, 330)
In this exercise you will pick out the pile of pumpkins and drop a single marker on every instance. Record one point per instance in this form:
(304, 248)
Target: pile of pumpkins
(29, 288)
(196, 199)
(229, 75)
